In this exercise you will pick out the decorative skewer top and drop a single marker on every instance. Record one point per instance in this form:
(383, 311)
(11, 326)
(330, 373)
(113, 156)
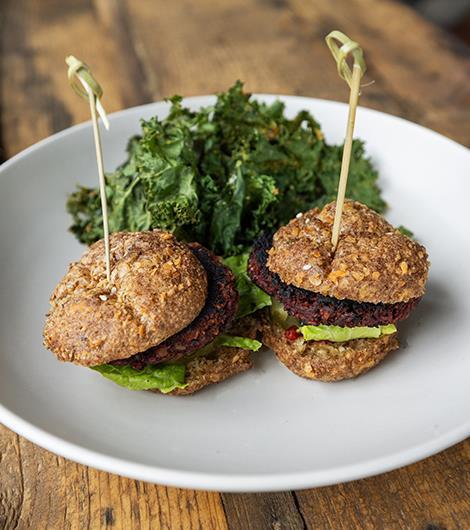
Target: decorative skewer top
(82, 81)
(353, 79)
(340, 54)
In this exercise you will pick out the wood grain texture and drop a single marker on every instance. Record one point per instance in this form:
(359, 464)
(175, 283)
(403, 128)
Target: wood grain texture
(148, 49)
(40, 490)
(432, 494)
(262, 510)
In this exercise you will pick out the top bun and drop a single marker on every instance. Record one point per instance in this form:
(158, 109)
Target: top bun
(373, 261)
(157, 288)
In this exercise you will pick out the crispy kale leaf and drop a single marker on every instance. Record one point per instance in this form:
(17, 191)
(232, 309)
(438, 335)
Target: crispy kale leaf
(362, 178)
(222, 175)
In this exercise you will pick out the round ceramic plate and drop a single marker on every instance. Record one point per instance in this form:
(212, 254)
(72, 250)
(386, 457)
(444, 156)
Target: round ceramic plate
(267, 429)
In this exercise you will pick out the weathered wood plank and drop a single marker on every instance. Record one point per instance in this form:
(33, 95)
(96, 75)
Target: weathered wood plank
(423, 71)
(35, 97)
(276, 511)
(11, 481)
(432, 494)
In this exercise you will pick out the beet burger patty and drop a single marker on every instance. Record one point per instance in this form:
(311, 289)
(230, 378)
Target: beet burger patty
(163, 321)
(334, 312)
(314, 308)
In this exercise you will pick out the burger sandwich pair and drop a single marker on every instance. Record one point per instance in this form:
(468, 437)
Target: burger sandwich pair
(171, 319)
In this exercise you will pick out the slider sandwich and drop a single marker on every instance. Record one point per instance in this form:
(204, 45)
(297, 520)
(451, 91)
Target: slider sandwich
(166, 322)
(334, 312)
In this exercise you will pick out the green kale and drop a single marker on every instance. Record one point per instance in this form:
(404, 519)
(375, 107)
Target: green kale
(222, 175)
(362, 177)
(252, 297)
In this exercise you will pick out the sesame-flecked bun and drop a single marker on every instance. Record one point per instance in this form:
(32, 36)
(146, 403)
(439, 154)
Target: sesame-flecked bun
(327, 361)
(157, 288)
(373, 261)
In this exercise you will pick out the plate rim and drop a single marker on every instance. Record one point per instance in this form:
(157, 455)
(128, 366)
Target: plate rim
(214, 481)
(233, 483)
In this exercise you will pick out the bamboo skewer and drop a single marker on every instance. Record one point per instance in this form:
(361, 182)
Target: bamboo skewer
(353, 78)
(343, 179)
(90, 90)
(99, 160)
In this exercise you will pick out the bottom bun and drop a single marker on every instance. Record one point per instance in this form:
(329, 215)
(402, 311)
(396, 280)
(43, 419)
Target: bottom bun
(327, 361)
(214, 368)
(221, 364)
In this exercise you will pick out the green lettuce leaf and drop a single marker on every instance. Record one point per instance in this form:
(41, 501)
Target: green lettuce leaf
(252, 297)
(405, 231)
(238, 342)
(281, 316)
(339, 334)
(167, 377)
(164, 377)
(223, 340)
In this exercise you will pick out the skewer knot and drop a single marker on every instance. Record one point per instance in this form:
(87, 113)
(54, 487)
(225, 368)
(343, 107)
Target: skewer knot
(78, 71)
(340, 54)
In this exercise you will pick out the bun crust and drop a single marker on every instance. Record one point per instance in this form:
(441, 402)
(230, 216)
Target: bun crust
(215, 368)
(327, 361)
(373, 261)
(157, 288)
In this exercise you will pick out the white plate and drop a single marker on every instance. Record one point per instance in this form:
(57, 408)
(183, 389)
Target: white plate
(268, 429)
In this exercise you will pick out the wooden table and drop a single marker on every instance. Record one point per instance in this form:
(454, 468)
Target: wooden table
(141, 51)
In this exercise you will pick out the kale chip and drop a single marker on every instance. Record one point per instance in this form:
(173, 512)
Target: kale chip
(223, 174)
